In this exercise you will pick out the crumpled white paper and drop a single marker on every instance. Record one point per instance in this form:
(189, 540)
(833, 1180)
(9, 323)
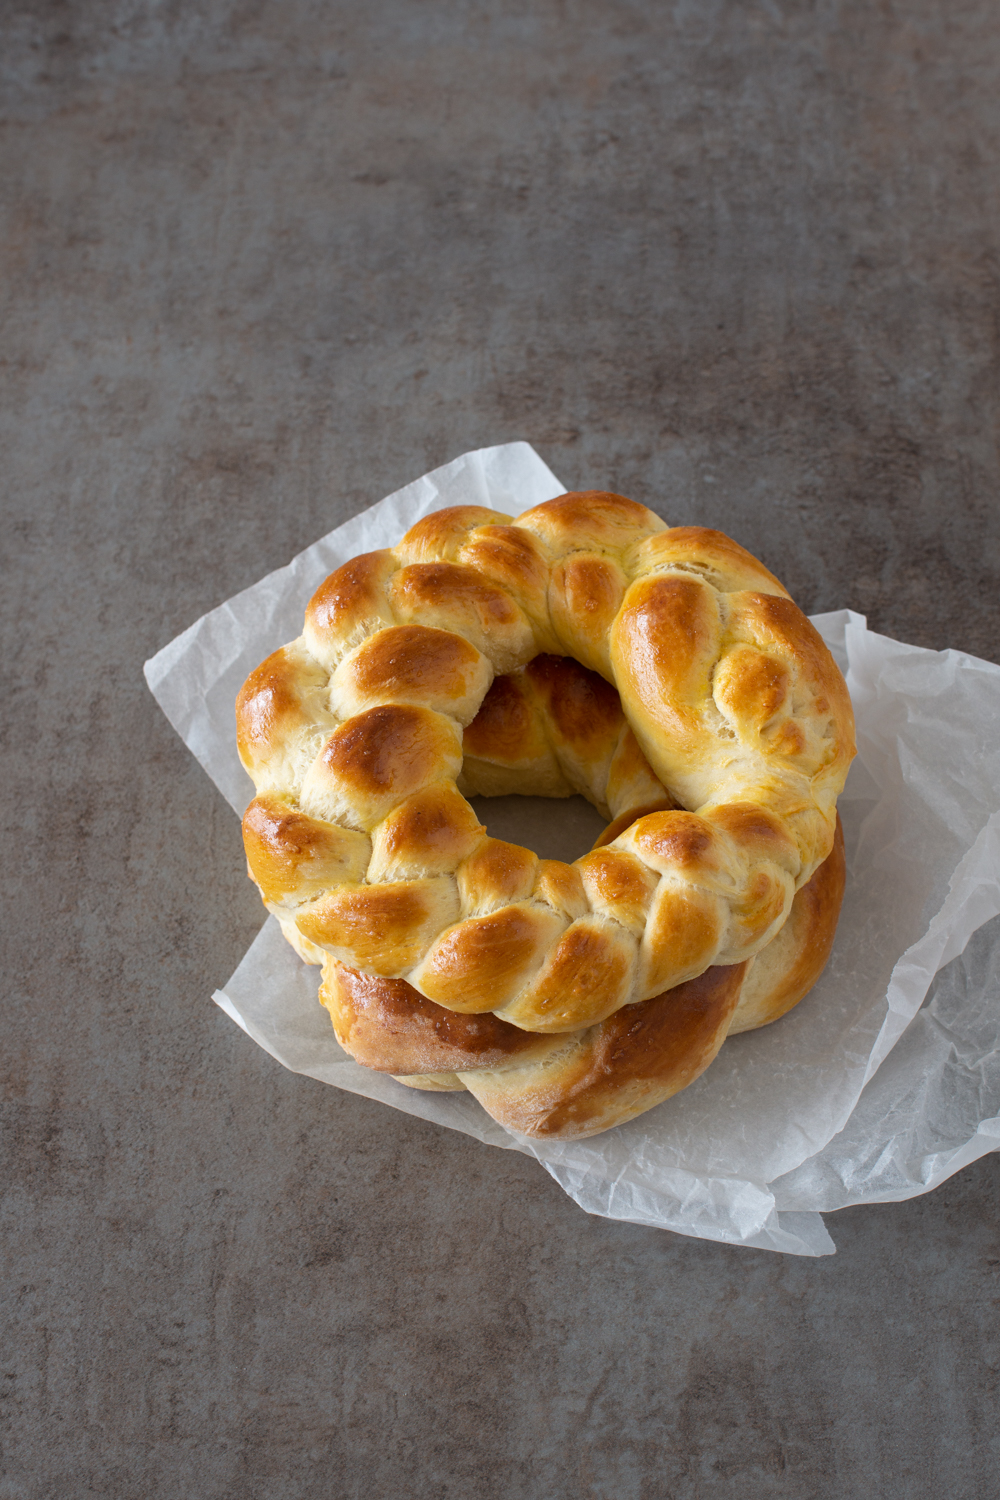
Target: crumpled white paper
(880, 1085)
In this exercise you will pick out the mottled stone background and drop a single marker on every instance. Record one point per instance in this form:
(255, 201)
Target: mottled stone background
(263, 263)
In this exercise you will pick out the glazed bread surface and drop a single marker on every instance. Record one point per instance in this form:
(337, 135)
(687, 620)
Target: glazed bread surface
(587, 648)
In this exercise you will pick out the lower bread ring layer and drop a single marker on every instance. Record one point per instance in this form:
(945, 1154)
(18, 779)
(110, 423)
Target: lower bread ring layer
(578, 1084)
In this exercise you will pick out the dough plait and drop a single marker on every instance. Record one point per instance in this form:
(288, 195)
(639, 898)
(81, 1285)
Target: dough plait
(548, 1085)
(586, 647)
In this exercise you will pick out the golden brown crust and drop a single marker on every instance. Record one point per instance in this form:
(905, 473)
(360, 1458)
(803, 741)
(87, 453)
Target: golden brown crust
(455, 597)
(638, 1058)
(585, 976)
(710, 554)
(372, 762)
(383, 928)
(439, 536)
(482, 963)
(412, 664)
(589, 519)
(585, 596)
(514, 560)
(664, 644)
(429, 833)
(293, 856)
(559, 885)
(389, 1026)
(349, 605)
(506, 729)
(632, 783)
(624, 822)
(432, 670)
(495, 874)
(280, 711)
(618, 886)
(786, 970)
(682, 932)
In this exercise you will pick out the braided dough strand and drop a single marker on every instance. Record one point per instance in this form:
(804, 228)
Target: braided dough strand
(580, 1084)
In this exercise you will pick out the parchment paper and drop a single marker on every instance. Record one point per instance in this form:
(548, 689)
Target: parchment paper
(878, 1086)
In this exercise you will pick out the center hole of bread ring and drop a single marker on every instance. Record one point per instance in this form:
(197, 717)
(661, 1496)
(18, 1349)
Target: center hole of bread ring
(564, 830)
(555, 730)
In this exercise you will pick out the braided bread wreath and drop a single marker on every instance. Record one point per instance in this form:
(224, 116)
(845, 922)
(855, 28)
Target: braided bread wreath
(663, 673)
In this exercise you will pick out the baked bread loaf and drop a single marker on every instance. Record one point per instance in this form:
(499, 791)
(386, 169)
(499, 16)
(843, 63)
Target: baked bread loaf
(663, 673)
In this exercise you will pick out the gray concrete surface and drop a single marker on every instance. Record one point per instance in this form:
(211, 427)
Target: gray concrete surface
(263, 263)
